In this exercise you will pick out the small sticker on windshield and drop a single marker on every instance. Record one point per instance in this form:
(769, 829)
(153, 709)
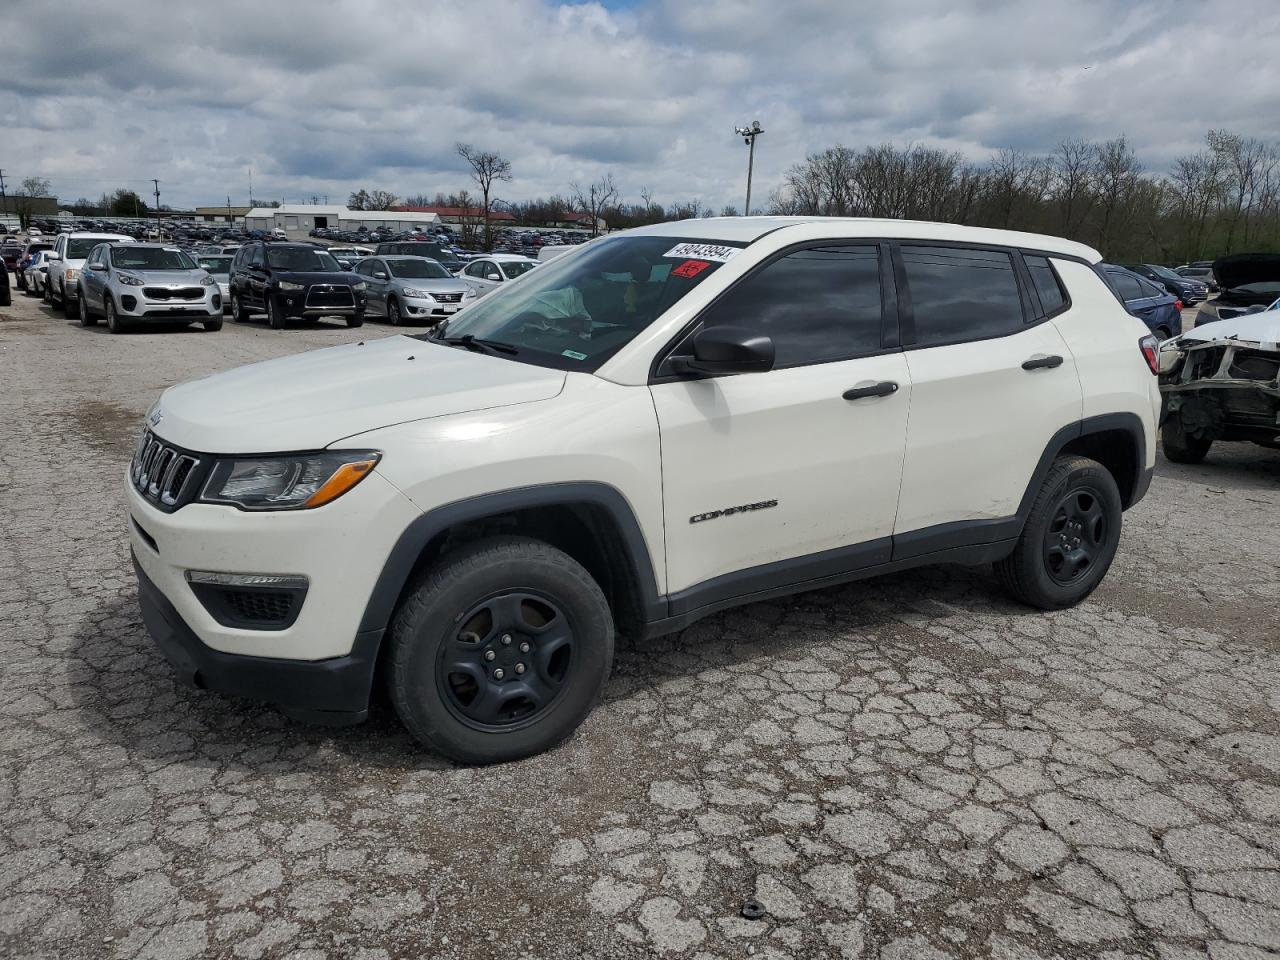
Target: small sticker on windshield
(690, 268)
(703, 251)
(573, 355)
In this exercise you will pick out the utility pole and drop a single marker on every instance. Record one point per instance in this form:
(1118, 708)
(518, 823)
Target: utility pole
(748, 135)
(4, 200)
(229, 220)
(157, 183)
(251, 187)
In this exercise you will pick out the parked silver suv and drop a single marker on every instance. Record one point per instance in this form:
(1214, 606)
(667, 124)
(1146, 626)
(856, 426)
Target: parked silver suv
(146, 282)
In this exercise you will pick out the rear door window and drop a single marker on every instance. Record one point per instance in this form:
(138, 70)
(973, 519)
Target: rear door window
(959, 294)
(1049, 287)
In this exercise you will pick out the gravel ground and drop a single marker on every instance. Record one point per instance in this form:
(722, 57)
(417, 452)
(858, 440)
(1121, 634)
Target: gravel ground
(909, 768)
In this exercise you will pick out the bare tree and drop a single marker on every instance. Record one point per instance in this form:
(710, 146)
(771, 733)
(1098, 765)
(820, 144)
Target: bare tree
(1071, 185)
(592, 199)
(1116, 172)
(487, 168)
(24, 198)
(382, 200)
(359, 200)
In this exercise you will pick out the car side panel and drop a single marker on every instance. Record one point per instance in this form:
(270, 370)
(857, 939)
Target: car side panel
(1103, 337)
(593, 432)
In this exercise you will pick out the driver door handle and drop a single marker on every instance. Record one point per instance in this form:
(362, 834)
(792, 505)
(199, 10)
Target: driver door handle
(1046, 363)
(881, 389)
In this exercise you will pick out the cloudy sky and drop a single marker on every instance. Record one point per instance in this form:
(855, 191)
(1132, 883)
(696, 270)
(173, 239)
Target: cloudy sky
(325, 96)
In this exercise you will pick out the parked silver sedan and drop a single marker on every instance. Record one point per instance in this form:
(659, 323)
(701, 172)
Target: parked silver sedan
(411, 289)
(36, 273)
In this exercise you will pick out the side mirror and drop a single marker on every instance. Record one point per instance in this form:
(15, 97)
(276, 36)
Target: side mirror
(727, 350)
(379, 275)
(100, 267)
(54, 256)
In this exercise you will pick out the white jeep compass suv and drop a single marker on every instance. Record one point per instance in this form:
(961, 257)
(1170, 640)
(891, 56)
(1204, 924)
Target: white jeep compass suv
(659, 425)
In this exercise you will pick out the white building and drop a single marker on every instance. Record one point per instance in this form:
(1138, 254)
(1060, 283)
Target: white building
(303, 218)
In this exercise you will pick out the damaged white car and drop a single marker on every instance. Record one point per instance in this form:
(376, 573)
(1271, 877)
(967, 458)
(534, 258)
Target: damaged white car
(1221, 381)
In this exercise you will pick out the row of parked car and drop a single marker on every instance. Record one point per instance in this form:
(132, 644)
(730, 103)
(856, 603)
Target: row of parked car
(126, 283)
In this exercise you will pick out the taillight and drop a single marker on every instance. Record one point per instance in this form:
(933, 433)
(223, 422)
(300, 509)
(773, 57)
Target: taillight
(1177, 304)
(1150, 348)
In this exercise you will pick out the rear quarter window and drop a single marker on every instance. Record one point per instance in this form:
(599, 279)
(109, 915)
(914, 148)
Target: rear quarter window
(1053, 296)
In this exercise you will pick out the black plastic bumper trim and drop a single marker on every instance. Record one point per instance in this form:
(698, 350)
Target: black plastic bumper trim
(333, 691)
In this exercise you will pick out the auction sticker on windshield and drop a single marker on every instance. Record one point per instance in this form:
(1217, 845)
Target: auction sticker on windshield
(702, 251)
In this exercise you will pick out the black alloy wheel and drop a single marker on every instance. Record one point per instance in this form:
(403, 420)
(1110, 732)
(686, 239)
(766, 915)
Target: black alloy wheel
(506, 663)
(1076, 536)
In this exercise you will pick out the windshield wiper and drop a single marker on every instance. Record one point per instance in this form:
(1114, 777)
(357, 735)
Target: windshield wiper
(478, 344)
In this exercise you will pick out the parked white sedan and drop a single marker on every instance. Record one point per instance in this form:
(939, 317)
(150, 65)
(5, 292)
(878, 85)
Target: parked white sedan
(489, 272)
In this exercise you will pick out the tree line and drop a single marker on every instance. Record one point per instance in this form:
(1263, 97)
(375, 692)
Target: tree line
(1221, 199)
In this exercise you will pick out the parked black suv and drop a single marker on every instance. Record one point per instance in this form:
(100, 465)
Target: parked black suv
(293, 280)
(1186, 289)
(421, 248)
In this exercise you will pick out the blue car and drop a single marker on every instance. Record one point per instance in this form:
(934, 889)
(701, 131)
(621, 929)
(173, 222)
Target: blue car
(1160, 310)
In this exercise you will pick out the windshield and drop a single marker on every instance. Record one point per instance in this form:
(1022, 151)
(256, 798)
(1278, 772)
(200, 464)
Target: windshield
(150, 258)
(78, 247)
(1265, 287)
(514, 268)
(220, 265)
(1163, 272)
(576, 312)
(301, 260)
(418, 268)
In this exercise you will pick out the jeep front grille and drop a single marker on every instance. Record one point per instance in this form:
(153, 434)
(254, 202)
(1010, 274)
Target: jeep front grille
(164, 474)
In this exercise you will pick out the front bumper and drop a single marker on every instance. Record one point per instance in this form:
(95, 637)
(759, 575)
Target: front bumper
(131, 302)
(303, 304)
(420, 308)
(339, 548)
(334, 691)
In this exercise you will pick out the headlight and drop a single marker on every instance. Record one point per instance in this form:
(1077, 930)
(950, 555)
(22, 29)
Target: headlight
(129, 280)
(288, 483)
(71, 273)
(418, 294)
(359, 286)
(208, 282)
(289, 287)
(468, 294)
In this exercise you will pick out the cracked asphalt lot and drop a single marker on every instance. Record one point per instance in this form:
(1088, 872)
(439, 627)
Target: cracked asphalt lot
(908, 768)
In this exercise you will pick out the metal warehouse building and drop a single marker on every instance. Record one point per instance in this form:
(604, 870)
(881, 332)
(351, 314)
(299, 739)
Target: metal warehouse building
(302, 218)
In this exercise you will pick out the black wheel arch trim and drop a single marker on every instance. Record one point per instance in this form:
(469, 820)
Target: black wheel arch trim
(413, 541)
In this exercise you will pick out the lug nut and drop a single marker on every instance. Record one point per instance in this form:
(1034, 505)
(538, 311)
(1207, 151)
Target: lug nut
(489, 654)
(519, 668)
(506, 639)
(498, 674)
(524, 646)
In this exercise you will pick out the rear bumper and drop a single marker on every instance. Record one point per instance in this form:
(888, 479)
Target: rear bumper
(334, 691)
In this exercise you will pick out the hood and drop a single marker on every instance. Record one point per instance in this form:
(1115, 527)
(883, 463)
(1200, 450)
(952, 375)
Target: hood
(310, 400)
(1241, 268)
(1261, 328)
(317, 277)
(433, 284)
(171, 278)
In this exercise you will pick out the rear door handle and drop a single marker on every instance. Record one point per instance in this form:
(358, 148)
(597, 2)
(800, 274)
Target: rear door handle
(1037, 363)
(881, 389)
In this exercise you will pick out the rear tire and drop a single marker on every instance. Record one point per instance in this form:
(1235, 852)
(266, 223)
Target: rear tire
(1179, 446)
(87, 319)
(1162, 334)
(1069, 539)
(503, 700)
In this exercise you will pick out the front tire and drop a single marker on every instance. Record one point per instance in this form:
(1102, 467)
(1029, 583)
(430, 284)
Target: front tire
(1180, 446)
(1069, 539)
(212, 326)
(46, 293)
(393, 312)
(275, 319)
(114, 323)
(499, 651)
(68, 310)
(355, 319)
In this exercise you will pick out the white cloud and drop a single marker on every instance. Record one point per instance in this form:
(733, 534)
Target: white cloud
(325, 96)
